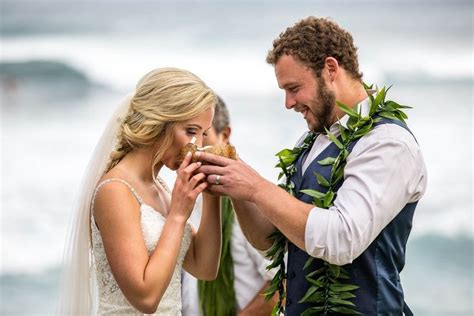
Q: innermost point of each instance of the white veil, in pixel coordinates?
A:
(78, 290)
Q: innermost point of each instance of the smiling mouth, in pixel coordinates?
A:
(304, 111)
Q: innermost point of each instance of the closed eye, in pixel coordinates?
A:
(191, 131)
(293, 89)
(194, 132)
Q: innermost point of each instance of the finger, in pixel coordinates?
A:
(209, 169)
(188, 171)
(186, 161)
(213, 159)
(217, 189)
(200, 188)
(212, 179)
(192, 167)
(197, 178)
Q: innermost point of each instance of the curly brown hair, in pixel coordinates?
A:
(312, 40)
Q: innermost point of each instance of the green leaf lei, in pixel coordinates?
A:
(326, 292)
(217, 297)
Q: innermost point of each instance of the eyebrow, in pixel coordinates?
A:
(198, 126)
(194, 125)
(289, 84)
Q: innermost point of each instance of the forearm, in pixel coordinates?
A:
(159, 269)
(241, 182)
(255, 226)
(285, 212)
(258, 306)
(207, 241)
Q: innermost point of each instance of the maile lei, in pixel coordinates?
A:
(217, 297)
(327, 293)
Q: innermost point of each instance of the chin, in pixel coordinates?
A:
(316, 128)
(313, 127)
(171, 165)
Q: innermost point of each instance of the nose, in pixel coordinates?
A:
(290, 101)
(199, 140)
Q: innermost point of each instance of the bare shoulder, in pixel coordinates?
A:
(115, 203)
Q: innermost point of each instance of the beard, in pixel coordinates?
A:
(323, 109)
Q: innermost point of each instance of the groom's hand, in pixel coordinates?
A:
(230, 177)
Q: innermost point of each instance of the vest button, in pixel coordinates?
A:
(292, 274)
(289, 301)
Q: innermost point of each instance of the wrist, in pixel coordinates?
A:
(261, 192)
(211, 197)
(178, 219)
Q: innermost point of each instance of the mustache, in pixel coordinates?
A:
(299, 107)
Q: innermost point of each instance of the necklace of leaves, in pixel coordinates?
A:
(326, 292)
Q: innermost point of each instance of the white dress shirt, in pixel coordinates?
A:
(384, 172)
(250, 273)
(250, 268)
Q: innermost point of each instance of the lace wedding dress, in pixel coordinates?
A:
(111, 299)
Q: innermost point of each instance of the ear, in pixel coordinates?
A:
(332, 67)
(226, 134)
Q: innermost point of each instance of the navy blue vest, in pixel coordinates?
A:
(376, 271)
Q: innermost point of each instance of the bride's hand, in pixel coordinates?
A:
(186, 188)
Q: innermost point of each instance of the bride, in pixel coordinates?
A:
(130, 235)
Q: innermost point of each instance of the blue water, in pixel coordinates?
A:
(64, 65)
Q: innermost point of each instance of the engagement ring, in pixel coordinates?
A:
(218, 179)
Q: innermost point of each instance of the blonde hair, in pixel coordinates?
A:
(163, 97)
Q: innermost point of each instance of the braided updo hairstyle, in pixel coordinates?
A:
(163, 97)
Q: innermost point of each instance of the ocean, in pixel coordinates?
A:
(65, 65)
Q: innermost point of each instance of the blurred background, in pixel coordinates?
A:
(65, 65)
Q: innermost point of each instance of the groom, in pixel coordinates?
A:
(367, 227)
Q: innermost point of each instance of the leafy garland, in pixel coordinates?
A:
(326, 293)
(276, 253)
(217, 297)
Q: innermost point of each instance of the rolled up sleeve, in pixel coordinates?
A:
(384, 172)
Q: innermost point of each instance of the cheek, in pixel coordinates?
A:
(181, 138)
(304, 98)
(170, 160)
(314, 103)
(175, 149)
